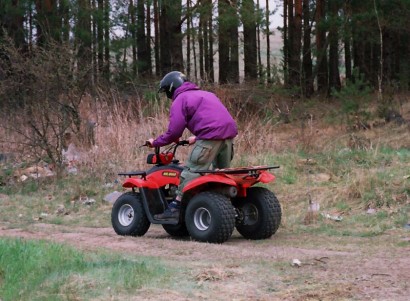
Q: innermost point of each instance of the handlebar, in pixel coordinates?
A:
(176, 143)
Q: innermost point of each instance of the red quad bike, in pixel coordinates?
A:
(212, 206)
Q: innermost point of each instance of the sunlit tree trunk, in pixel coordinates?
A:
(334, 75)
(107, 26)
(347, 39)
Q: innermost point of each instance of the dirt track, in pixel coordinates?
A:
(332, 268)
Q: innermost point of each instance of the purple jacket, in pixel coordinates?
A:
(201, 112)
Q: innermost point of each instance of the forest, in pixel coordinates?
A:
(53, 53)
(325, 42)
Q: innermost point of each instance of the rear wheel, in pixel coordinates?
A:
(259, 213)
(128, 216)
(210, 217)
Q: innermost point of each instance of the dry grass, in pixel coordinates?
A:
(320, 159)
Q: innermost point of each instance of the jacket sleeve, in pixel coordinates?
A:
(176, 126)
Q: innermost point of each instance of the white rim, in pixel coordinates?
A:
(126, 215)
(202, 219)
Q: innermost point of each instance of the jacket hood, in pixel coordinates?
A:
(187, 86)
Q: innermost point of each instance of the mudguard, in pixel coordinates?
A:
(154, 180)
(266, 177)
(207, 179)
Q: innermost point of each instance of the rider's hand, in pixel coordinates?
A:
(149, 142)
(192, 140)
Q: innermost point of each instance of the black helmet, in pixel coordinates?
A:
(171, 82)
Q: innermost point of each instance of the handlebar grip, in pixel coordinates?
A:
(183, 142)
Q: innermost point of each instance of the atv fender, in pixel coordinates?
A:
(154, 180)
(208, 179)
(266, 177)
(140, 183)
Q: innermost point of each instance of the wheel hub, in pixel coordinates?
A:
(249, 214)
(202, 219)
(126, 215)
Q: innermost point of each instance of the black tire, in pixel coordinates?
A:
(210, 217)
(128, 216)
(179, 230)
(259, 214)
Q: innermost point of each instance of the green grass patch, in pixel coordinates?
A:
(39, 270)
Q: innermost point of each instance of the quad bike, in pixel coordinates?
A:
(212, 205)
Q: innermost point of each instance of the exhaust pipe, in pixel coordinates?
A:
(229, 191)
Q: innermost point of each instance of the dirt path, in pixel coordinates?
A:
(332, 268)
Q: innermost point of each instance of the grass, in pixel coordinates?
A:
(319, 162)
(39, 270)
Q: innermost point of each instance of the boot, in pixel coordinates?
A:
(171, 212)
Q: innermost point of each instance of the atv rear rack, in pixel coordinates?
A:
(235, 170)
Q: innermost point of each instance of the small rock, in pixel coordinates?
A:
(336, 218)
(371, 211)
(112, 197)
(88, 201)
(60, 210)
(296, 263)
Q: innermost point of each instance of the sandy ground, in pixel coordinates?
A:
(332, 268)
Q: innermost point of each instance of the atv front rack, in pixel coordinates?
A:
(130, 174)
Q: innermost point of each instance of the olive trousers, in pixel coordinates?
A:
(218, 153)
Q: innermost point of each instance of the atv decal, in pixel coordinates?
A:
(169, 174)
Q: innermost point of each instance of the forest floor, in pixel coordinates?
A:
(330, 268)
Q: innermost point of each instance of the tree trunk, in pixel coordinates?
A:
(132, 28)
(223, 38)
(107, 39)
(188, 40)
(307, 53)
(143, 55)
(12, 19)
(148, 40)
(334, 76)
(211, 74)
(249, 38)
(171, 57)
(156, 39)
(285, 35)
(347, 40)
(290, 43)
(258, 40)
(84, 36)
(48, 23)
(268, 67)
(321, 60)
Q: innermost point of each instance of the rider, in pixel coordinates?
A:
(204, 115)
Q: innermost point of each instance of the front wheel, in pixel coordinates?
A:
(128, 216)
(210, 217)
(259, 213)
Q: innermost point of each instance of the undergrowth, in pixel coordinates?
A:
(347, 172)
